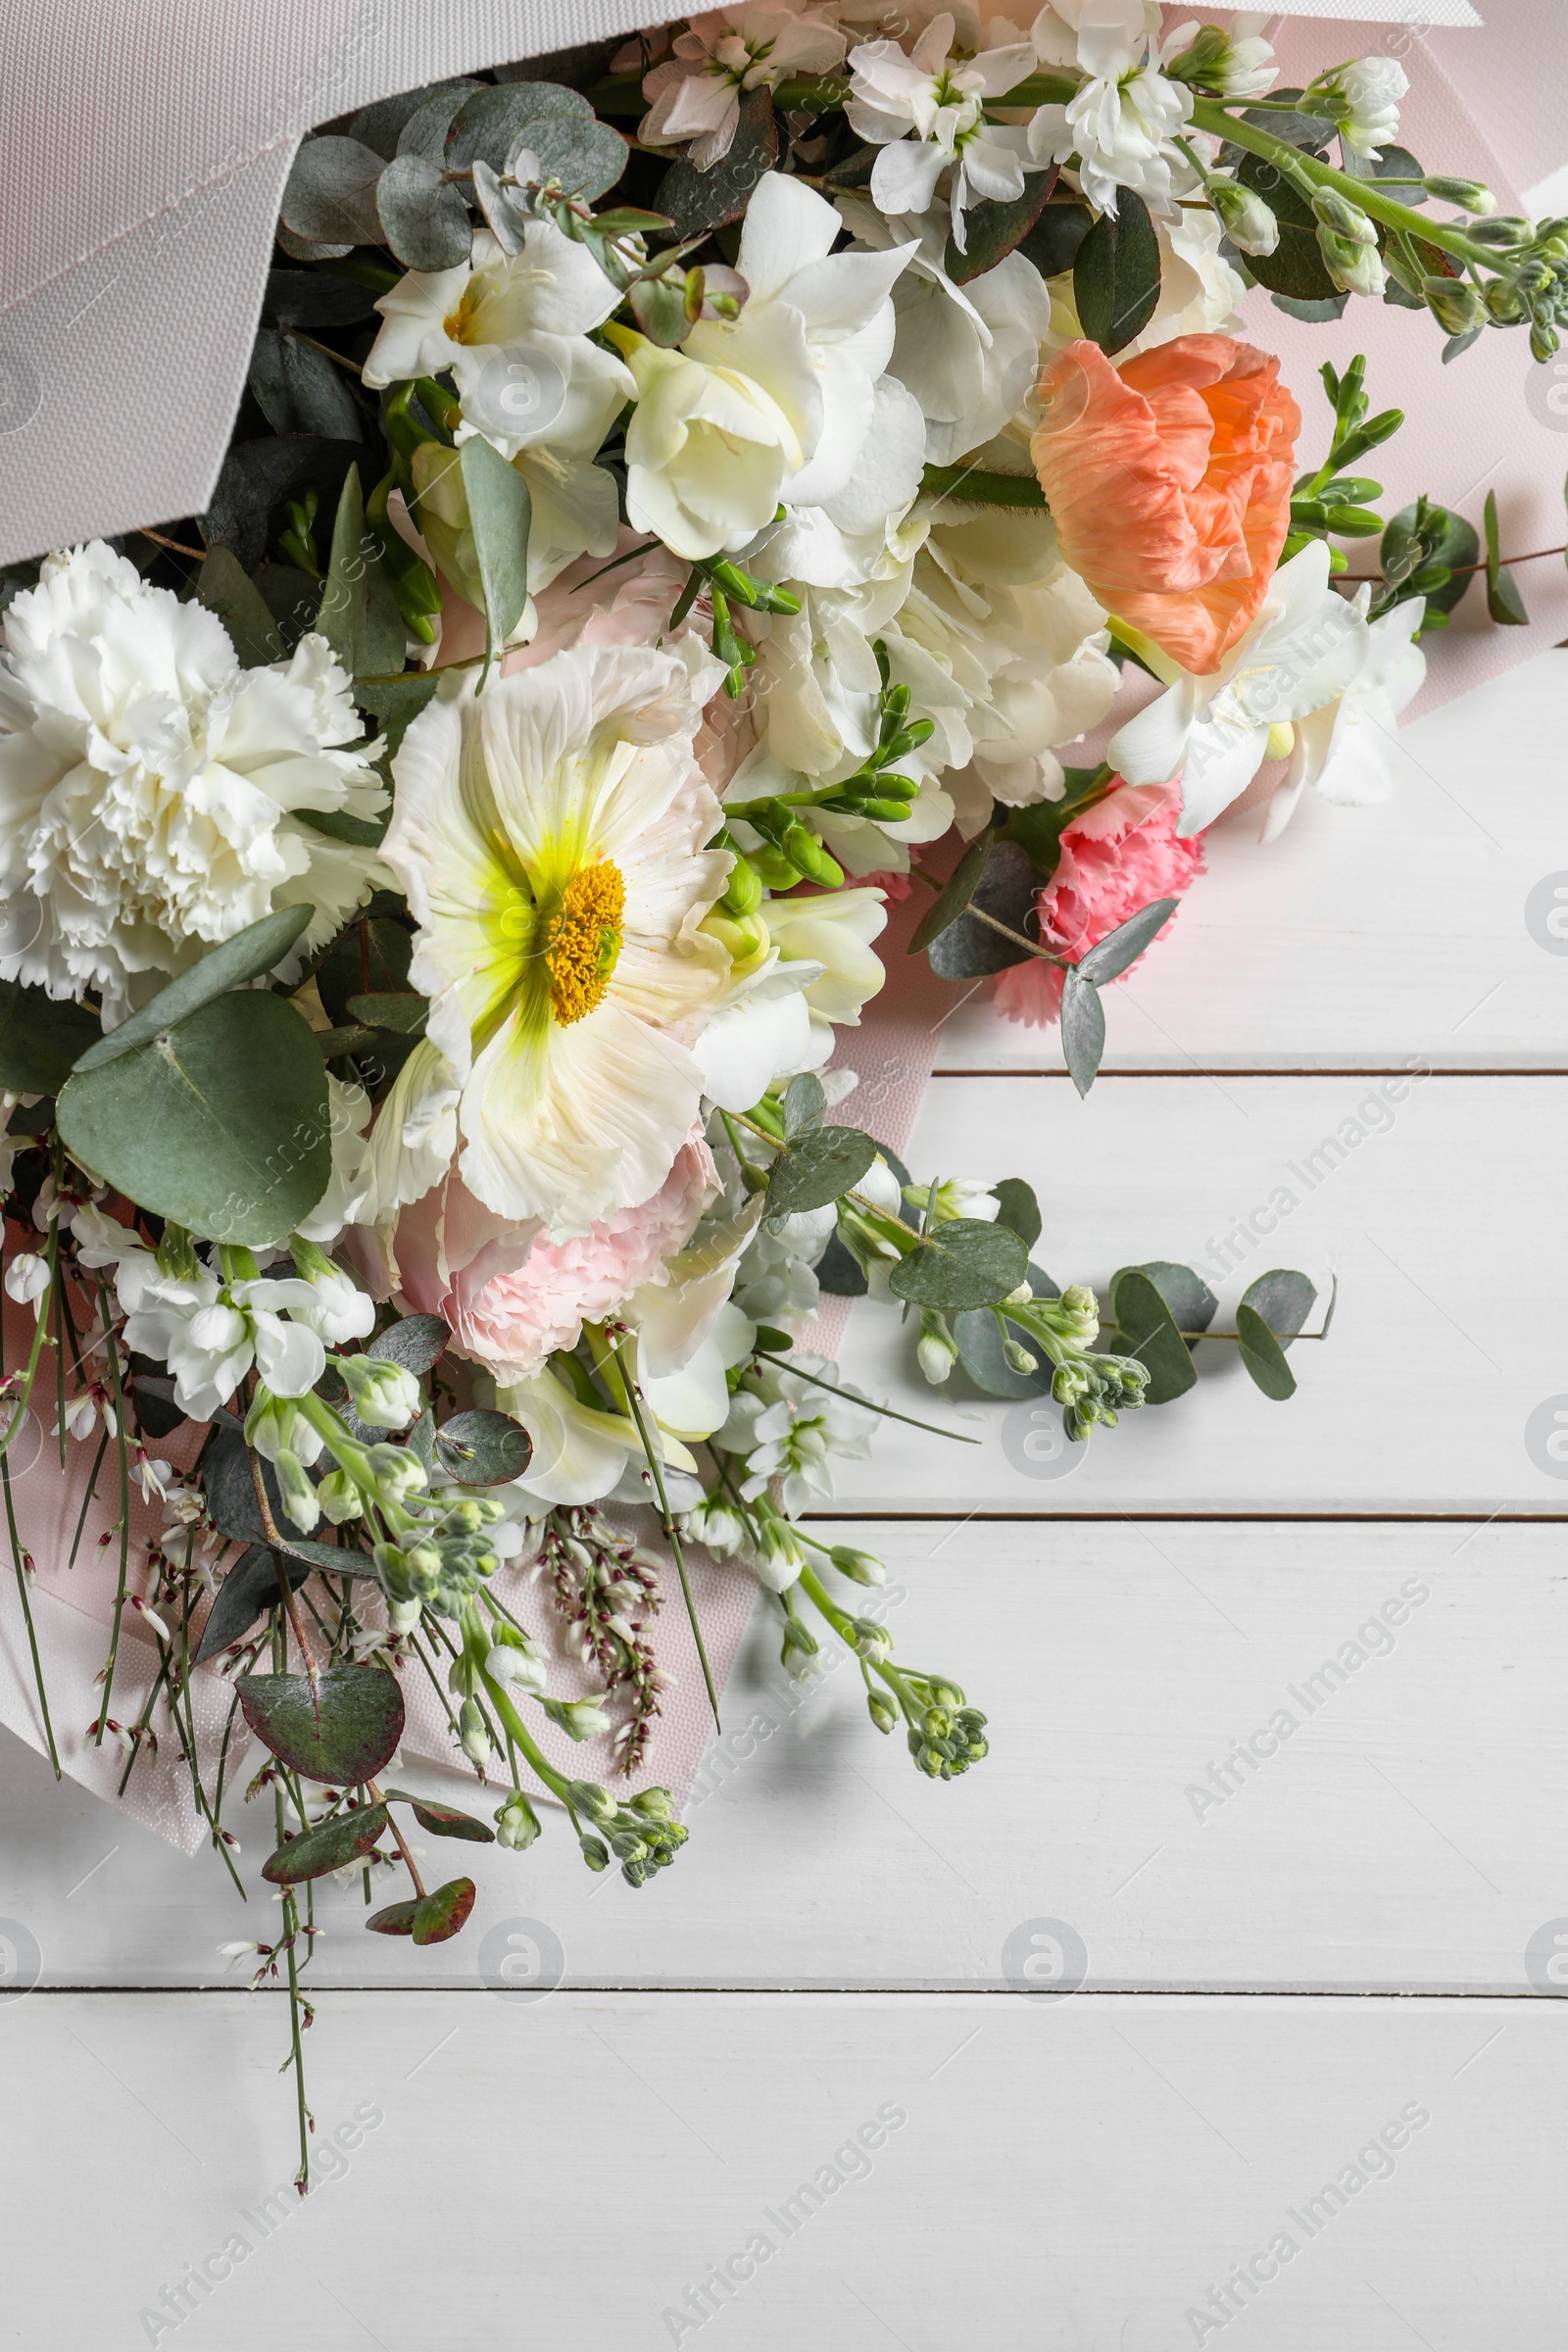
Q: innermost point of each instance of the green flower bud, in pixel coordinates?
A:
(858, 1566)
(868, 1640)
(655, 1804)
(517, 1825)
(1469, 194)
(1455, 306)
(397, 1471)
(472, 1733)
(592, 1798)
(384, 1394)
(596, 1854)
(1344, 219)
(339, 1497)
(296, 1489)
(884, 1714)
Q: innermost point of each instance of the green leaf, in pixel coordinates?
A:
(1296, 266)
(1316, 314)
(963, 1264)
(427, 127)
(331, 195)
(482, 1448)
(41, 1039)
(422, 213)
(1019, 1210)
(954, 896)
(995, 230)
(1188, 1298)
(1122, 946)
(817, 1169)
(1083, 1029)
(1395, 164)
(1426, 535)
(394, 1919)
(359, 615)
(698, 201)
(256, 950)
(1115, 278)
(1150, 1332)
(1053, 241)
(805, 1105)
(221, 1122)
(658, 305)
(233, 1510)
(299, 388)
(346, 1838)
(1007, 890)
(372, 958)
(500, 512)
(415, 1342)
(226, 589)
(380, 124)
(1263, 1357)
(396, 702)
(401, 1009)
(586, 156)
(1283, 1299)
(357, 1728)
(1504, 599)
(979, 487)
(443, 1821)
(838, 1272)
(315, 298)
(493, 120)
(251, 1586)
(444, 1913)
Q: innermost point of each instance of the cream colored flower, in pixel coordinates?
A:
(549, 834)
(152, 793)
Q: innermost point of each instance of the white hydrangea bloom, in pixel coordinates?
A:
(152, 793)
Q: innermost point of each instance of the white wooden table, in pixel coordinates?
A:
(1309, 2084)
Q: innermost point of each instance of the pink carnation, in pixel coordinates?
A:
(509, 1295)
(1116, 857)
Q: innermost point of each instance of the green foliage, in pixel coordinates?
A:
(1263, 1357)
(500, 512)
(815, 1167)
(423, 214)
(258, 949)
(482, 1448)
(994, 229)
(961, 1264)
(225, 589)
(41, 1039)
(415, 1342)
(1083, 1028)
(1018, 1209)
(954, 896)
(1295, 268)
(1116, 276)
(343, 1729)
(348, 1837)
(221, 1123)
(359, 615)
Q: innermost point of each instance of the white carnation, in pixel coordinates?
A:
(151, 789)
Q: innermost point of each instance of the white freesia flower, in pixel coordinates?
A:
(1302, 652)
(774, 405)
(834, 929)
(549, 835)
(1364, 99)
(335, 1308)
(579, 1452)
(791, 1429)
(152, 792)
(761, 1032)
(1124, 116)
(941, 99)
(516, 333)
(721, 55)
(1348, 748)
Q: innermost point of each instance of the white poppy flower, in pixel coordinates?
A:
(941, 99)
(1305, 646)
(721, 55)
(1347, 749)
(549, 834)
(152, 792)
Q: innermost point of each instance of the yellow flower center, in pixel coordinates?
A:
(458, 324)
(583, 940)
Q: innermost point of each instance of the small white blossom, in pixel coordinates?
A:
(1122, 120)
(1364, 99)
(27, 1280)
(940, 99)
(791, 1428)
(718, 56)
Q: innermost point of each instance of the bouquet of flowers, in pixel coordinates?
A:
(679, 485)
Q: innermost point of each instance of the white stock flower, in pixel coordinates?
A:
(941, 100)
(549, 835)
(1005, 648)
(776, 405)
(718, 56)
(209, 1333)
(1305, 646)
(1123, 118)
(1364, 99)
(1237, 63)
(337, 1309)
(791, 1429)
(1347, 749)
(151, 789)
(969, 353)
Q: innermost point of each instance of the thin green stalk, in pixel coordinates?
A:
(673, 1537)
(291, 1928)
(111, 1352)
(782, 1363)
